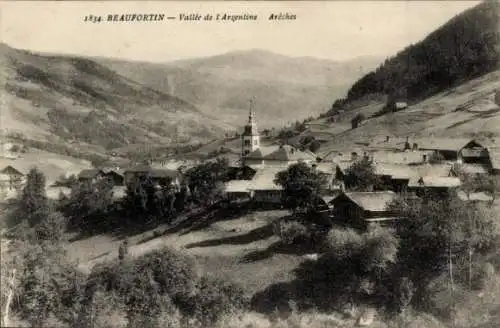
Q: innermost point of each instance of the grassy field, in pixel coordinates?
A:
(240, 249)
(467, 110)
(52, 165)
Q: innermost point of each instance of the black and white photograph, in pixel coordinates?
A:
(250, 164)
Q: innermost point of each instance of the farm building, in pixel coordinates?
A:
(159, 176)
(359, 209)
(455, 149)
(237, 189)
(434, 184)
(263, 188)
(12, 177)
(93, 175)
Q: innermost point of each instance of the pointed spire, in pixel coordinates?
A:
(251, 112)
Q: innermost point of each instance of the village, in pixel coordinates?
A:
(404, 164)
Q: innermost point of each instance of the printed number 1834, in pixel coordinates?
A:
(92, 19)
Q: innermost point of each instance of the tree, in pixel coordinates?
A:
(51, 228)
(475, 182)
(314, 146)
(302, 186)
(436, 158)
(88, 203)
(33, 205)
(49, 285)
(360, 176)
(204, 180)
(356, 120)
(64, 181)
(381, 248)
(440, 234)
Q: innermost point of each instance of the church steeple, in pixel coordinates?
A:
(250, 138)
(251, 115)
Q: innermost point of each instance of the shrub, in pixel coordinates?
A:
(51, 228)
(314, 146)
(482, 274)
(436, 158)
(343, 242)
(213, 299)
(291, 232)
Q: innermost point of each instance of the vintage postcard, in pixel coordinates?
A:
(256, 164)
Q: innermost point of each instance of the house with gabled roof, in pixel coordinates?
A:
(95, 174)
(359, 209)
(159, 176)
(287, 155)
(263, 188)
(257, 156)
(237, 189)
(12, 177)
(388, 143)
(455, 149)
(434, 184)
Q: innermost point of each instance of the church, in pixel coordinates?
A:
(255, 155)
(263, 163)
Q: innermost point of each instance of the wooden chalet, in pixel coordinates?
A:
(433, 184)
(12, 178)
(93, 175)
(455, 149)
(263, 188)
(359, 209)
(235, 190)
(159, 176)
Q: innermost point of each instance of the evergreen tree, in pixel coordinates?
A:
(33, 205)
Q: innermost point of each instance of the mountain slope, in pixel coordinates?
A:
(450, 79)
(283, 88)
(60, 98)
(468, 110)
(465, 47)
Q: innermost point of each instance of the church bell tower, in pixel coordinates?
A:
(250, 139)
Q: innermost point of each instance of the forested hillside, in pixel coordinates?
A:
(464, 48)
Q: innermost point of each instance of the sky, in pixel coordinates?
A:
(336, 30)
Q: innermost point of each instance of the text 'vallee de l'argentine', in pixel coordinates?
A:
(184, 17)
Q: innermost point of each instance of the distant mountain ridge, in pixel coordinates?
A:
(283, 88)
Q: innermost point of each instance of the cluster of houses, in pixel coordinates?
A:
(120, 178)
(13, 177)
(403, 165)
(410, 165)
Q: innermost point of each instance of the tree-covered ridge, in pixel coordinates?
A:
(464, 48)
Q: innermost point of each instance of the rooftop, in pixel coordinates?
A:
(454, 144)
(475, 196)
(434, 181)
(88, 173)
(264, 179)
(154, 172)
(375, 201)
(237, 186)
(288, 153)
(261, 152)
